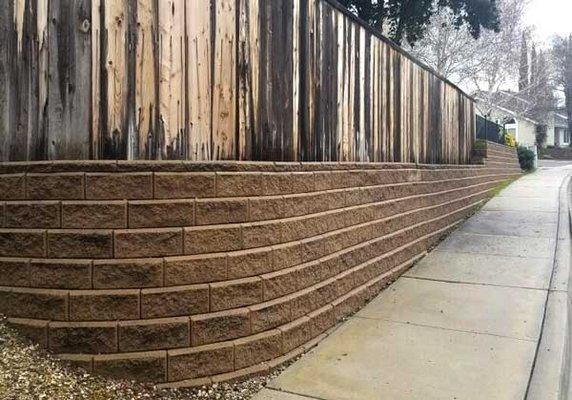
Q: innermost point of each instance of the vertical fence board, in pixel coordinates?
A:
(249, 66)
(146, 80)
(172, 114)
(21, 90)
(39, 152)
(296, 74)
(307, 79)
(353, 128)
(327, 93)
(96, 83)
(224, 89)
(276, 82)
(69, 70)
(8, 33)
(340, 88)
(199, 72)
(113, 135)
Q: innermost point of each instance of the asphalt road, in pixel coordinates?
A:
(553, 163)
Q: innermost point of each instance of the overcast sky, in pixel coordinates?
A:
(550, 17)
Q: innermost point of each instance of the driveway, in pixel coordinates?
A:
(553, 163)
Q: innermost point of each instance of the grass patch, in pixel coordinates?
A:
(480, 144)
(500, 187)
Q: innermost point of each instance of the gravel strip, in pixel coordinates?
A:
(29, 373)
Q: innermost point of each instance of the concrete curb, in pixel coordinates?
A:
(566, 392)
(550, 375)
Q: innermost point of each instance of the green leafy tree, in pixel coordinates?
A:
(408, 19)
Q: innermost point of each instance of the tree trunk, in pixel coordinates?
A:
(568, 84)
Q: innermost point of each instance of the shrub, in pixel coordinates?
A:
(510, 140)
(526, 158)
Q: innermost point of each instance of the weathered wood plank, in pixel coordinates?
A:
(224, 63)
(69, 70)
(362, 94)
(307, 78)
(38, 152)
(146, 130)
(113, 134)
(275, 68)
(296, 73)
(248, 60)
(199, 72)
(97, 35)
(8, 81)
(172, 90)
(353, 93)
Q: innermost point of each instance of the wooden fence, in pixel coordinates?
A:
(217, 79)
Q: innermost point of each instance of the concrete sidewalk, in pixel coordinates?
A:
(481, 317)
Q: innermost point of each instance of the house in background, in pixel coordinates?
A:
(521, 117)
(561, 131)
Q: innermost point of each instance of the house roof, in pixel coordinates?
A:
(560, 120)
(520, 105)
(510, 112)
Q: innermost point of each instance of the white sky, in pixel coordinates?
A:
(550, 17)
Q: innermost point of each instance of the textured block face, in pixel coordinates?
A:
(34, 304)
(94, 215)
(14, 272)
(95, 338)
(43, 214)
(234, 294)
(184, 185)
(145, 367)
(296, 333)
(188, 270)
(201, 361)
(12, 187)
(161, 213)
(270, 315)
(169, 333)
(123, 274)
(176, 301)
(60, 274)
(249, 263)
(240, 184)
(104, 305)
(148, 242)
(80, 244)
(257, 349)
(226, 211)
(119, 186)
(141, 270)
(213, 239)
(22, 243)
(69, 186)
(219, 327)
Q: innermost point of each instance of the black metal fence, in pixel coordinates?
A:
(489, 130)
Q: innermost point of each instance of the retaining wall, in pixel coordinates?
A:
(190, 273)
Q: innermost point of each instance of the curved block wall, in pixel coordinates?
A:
(188, 273)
